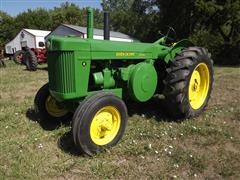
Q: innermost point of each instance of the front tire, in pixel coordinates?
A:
(47, 108)
(188, 83)
(99, 122)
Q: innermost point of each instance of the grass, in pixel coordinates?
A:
(153, 147)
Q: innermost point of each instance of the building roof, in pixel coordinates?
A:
(99, 32)
(37, 32)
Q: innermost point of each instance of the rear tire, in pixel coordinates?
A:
(30, 60)
(18, 57)
(46, 106)
(99, 122)
(188, 83)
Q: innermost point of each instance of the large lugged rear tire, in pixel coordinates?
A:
(99, 122)
(188, 83)
(47, 108)
(30, 60)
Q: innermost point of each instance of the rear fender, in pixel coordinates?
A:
(176, 49)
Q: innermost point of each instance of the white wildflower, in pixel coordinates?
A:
(134, 142)
(191, 155)
(176, 165)
(156, 152)
(149, 146)
(40, 146)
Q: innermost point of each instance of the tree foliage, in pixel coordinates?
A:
(40, 18)
(214, 24)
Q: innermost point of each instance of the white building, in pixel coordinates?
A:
(65, 29)
(26, 37)
(32, 37)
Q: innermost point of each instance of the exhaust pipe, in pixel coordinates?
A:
(106, 26)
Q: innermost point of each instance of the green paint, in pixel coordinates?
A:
(79, 67)
(90, 23)
(142, 82)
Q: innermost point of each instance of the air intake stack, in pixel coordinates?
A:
(90, 23)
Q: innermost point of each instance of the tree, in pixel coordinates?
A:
(6, 28)
(33, 19)
(220, 20)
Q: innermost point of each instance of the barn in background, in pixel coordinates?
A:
(65, 29)
(26, 37)
(32, 37)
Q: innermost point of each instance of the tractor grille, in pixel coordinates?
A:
(61, 71)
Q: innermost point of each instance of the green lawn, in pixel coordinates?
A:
(153, 147)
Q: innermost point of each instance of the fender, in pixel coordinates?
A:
(176, 49)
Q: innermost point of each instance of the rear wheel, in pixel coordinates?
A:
(99, 122)
(18, 57)
(47, 107)
(30, 60)
(188, 83)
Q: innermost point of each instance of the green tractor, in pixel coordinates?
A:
(89, 79)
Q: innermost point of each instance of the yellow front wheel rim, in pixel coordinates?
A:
(199, 86)
(53, 109)
(105, 125)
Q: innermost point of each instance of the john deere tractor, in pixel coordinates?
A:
(90, 79)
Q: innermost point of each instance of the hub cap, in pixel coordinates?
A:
(53, 109)
(199, 86)
(105, 125)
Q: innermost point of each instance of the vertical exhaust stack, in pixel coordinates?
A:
(90, 23)
(106, 26)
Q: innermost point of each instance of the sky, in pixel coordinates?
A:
(14, 7)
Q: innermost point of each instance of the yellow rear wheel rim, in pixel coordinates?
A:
(105, 125)
(199, 86)
(53, 109)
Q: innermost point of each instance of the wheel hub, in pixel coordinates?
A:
(199, 86)
(53, 109)
(105, 125)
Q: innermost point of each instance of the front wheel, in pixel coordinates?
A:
(189, 82)
(99, 122)
(47, 107)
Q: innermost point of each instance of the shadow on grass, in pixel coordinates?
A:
(66, 144)
(45, 124)
(151, 109)
(42, 68)
(154, 108)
